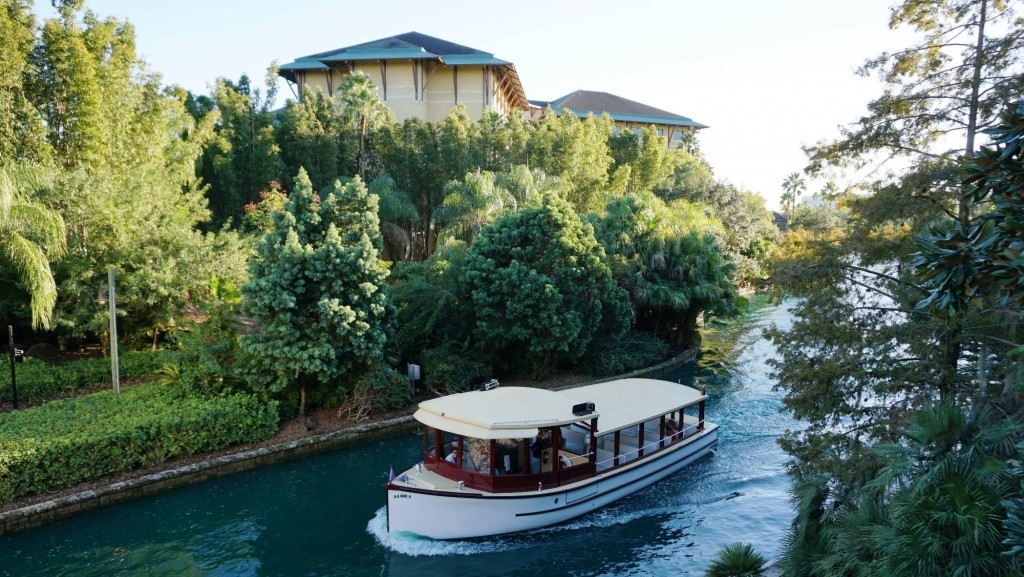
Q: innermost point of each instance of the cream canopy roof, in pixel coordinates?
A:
(518, 412)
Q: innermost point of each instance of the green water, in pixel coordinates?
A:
(324, 515)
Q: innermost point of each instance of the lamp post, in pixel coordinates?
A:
(107, 296)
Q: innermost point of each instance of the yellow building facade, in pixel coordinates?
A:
(416, 76)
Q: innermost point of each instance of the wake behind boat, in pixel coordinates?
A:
(510, 459)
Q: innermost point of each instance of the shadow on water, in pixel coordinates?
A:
(324, 516)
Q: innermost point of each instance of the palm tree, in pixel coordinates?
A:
(361, 109)
(397, 212)
(737, 560)
(472, 204)
(31, 235)
(948, 491)
(794, 186)
(830, 192)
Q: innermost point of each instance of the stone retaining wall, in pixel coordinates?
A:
(62, 507)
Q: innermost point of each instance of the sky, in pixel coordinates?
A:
(767, 77)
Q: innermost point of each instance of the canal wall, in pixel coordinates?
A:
(38, 514)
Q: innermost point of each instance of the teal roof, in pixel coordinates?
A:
(584, 102)
(304, 64)
(468, 59)
(408, 46)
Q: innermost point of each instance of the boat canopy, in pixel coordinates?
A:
(501, 413)
(627, 402)
(519, 412)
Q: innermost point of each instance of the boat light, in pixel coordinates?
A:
(583, 409)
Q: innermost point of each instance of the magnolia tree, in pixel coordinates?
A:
(317, 292)
(538, 282)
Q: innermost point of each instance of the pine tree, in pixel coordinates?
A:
(317, 292)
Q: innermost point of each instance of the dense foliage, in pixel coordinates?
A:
(65, 442)
(540, 287)
(317, 292)
(39, 380)
(905, 356)
(487, 226)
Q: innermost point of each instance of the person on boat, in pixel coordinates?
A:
(540, 442)
(671, 428)
(453, 457)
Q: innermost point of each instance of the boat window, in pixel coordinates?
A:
(509, 456)
(688, 422)
(429, 441)
(477, 455)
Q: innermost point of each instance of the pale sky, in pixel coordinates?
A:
(766, 77)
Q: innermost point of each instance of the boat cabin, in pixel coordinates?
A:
(511, 439)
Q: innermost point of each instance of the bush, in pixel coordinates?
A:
(67, 442)
(380, 389)
(634, 350)
(41, 380)
(448, 370)
(208, 348)
(737, 560)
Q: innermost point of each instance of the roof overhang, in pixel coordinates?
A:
(502, 413)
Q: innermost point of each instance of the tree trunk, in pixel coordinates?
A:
(302, 399)
(947, 383)
(972, 114)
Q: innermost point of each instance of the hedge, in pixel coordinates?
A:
(65, 442)
(38, 379)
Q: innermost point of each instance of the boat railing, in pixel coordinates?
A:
(648, 448)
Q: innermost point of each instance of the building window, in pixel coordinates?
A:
(616, 130)
(661, 132)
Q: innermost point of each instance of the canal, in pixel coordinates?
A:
(324, 515)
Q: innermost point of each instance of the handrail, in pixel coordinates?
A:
(694, 429)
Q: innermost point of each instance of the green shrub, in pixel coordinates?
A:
(41, 380)
(448, 370)
(737, 560)
(65, 442)
(380, 389)
(634, 350)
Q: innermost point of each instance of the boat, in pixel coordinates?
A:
(508, 459)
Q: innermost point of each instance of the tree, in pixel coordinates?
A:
(31, 236)
(317, 292)
(243, 157)
(312, 134)
(576, 151)
(123, 178)
(829, 192)
(666, 258)
(537, 280)
(362, 110)
(22, 134)
(471, 204)
(737, 560)
(793, 186)
(874, 344)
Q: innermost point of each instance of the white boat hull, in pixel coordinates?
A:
(464, 514)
